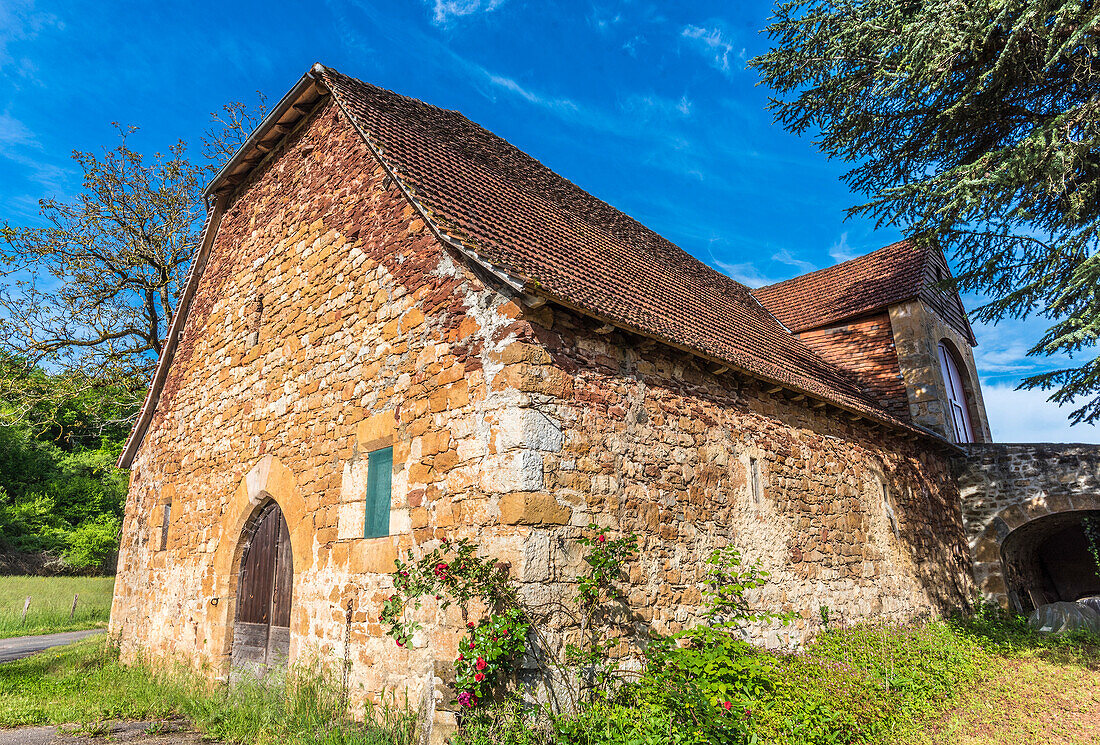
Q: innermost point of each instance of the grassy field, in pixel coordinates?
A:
(51, 602)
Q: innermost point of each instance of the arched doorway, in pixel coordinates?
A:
(1050, 559)
(261, 630)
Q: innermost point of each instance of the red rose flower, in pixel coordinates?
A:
(481, 664)
(504, 633)
(460, 657)
(471, 645)
(470, 625)
(727, 705)
(479, 677)
(601, 538)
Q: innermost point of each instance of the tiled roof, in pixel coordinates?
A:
(531, 223)
(848, 290)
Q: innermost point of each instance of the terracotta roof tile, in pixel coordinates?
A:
(854, 288)
(532, 223)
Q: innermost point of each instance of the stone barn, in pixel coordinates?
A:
(398, 328)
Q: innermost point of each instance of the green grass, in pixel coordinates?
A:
(987, 679)
(51, 602)
(85, 684)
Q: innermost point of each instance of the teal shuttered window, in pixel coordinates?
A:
(379, 476)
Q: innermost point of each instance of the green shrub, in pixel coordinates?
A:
(93, 544)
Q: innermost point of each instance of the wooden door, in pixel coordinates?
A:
(261, 632)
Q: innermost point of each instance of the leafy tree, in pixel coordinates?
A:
(91, 294)
(973, 124)
(60, 493)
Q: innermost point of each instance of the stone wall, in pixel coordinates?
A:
(330, 321)
(918, 331)
(1006, 487)
(864, 348)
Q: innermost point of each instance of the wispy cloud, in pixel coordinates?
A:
(549, 102)
(747, 274)
(17, 143)
(445, 11)
(841, 251)
(649, 106)
(21, 21)
(712, 42)
(784, 256)
(1027, 416)
(13, 133)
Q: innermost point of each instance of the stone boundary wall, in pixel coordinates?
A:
(1004, 486)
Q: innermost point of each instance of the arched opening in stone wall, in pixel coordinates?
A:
(261, 625)
(1049, 559)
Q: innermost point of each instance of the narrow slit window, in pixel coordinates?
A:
(755, 482)
(888, 507)
(379, 478)
(165, 521)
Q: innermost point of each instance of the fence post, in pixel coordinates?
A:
(72, 611)
(26, 605)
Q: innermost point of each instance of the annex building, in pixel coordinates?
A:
(399, 328)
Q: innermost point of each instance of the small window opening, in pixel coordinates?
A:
(254, 337)
(755, 481)
(165, 521)
(888, 507)
(379, 482)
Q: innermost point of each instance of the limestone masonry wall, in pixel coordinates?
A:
(1004, 487)
(330, 322)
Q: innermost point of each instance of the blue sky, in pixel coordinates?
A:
(646, 105)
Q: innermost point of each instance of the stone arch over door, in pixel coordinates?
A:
(1018, 530)
(268, 481)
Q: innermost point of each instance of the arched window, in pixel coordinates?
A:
(959, 412)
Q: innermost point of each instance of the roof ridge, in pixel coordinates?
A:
(838, 265)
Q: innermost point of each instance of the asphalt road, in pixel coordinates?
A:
(25, 646)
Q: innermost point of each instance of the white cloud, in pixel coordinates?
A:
(783, 256)
(712, 42)
(841, 251)
(20, 21)
(746, 273)
(1027, 416)
(445, 11)
(17, 142)
(14, 133)
(653, 106)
